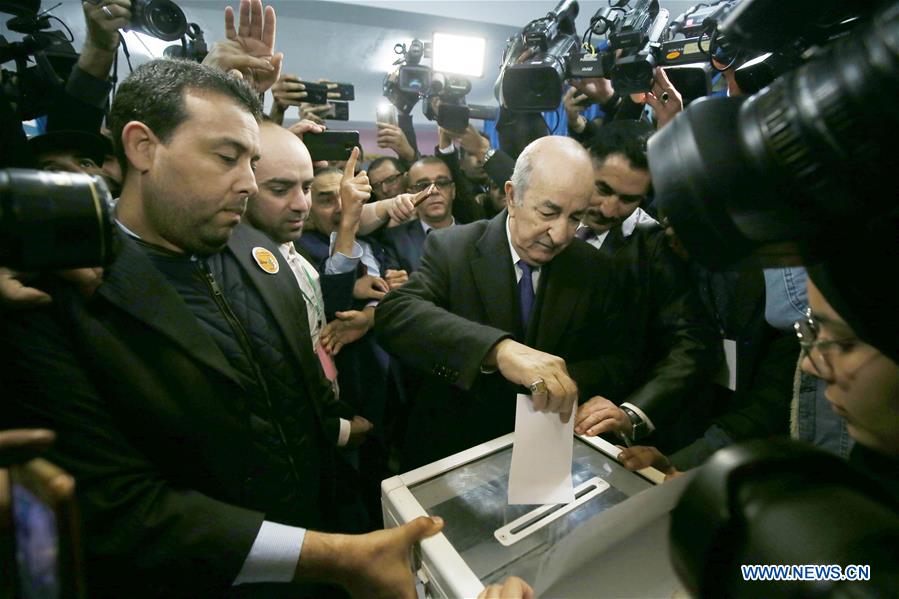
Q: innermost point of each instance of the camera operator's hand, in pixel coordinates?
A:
(391, 136)
(641, 456)
(573, 110)
(104, 19)
(664, 98)
(249, 50)
(18, 446)
(15, 294)
(474, 143)
(598, 89)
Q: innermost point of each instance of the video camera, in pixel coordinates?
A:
(798, 160)
(535, 62)
(444, 94)
(54, 220)
(638, 38)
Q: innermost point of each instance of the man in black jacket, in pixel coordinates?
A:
(187, 399)
(678, 346)
(508, 303)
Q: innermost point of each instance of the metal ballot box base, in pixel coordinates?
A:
(484, 539)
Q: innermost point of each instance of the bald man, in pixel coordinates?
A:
(507, 305)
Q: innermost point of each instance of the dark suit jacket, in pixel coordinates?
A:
(463, 300)
(404, 245)
(153, 422)
(679, 346)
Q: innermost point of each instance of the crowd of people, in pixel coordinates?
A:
(277, 334)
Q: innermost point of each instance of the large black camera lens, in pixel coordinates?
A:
(161, 19)
(809, 158)
(54, 220)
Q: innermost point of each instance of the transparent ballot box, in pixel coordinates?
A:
(484, 539)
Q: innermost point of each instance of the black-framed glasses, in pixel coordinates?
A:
(442, 184)
(807, 330)
(388, 180)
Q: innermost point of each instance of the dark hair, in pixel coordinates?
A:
(383, 159)
(624, 137)
(154, 95)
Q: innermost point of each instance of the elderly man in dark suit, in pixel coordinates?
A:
(508, 304)
(186, 396)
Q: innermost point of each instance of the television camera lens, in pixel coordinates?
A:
(162, 19)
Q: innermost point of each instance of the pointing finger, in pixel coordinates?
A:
(349, 170)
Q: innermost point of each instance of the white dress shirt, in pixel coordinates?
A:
(628, 225)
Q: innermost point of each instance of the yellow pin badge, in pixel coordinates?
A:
(266, 260)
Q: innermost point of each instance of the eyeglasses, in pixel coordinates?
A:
(388, 180)
(807, 330)
(442, 184)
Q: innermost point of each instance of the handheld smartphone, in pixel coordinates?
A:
(386, 113)
(316, 93)
(346, 90)
(337, 111)
(46, 531)
(331, 145)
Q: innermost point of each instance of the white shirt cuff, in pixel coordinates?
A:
(343, 435)
(649, 425)
(340, 263)
(274, 554)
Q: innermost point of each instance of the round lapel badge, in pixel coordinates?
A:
(266, 260)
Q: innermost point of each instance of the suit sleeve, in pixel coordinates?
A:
(413, 322)
(337, 292)
(132, 514)
(683, 341)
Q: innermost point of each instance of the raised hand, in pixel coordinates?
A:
(104, 19)
(391, 136)
(249, 50)
(354, 192)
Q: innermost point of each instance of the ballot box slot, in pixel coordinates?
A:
(536, 519)
(553, 510)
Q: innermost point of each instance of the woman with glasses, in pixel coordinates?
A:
(862, 382)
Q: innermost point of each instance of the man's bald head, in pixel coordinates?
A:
(555, 156)
(284, 178)
(547, 196)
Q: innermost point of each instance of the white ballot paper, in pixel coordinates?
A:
(541, 457)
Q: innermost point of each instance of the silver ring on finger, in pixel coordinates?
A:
(664, 97)
(107, 12)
